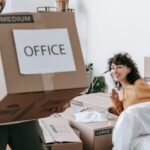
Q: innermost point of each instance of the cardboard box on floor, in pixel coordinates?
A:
(97, 100)
(94, 135)
(58, 135)
(41, 64)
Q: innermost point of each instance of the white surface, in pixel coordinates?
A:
(141, 143)
(117, 26)
(91, 116)
(57, 130)
(132, 123)
(30, 5)
(55, 56)
(106, 27)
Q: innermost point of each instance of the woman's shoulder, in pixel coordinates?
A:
(140, 82)
(142, 89)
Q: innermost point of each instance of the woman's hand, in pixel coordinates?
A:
(60, 109)
(117, 104)
(114, 96)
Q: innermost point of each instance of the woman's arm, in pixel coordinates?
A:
(117, 104)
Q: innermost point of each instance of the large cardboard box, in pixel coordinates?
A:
(41, 64)
(65, 146)
(94, 135)
(146, 68)
(58, 135)
(96, 100)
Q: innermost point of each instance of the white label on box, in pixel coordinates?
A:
(44, 51)
(103, 131)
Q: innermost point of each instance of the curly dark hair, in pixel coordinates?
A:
(125, 59)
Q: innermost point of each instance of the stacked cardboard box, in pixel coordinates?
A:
(41, 64)
(97, 100)
(58, 135)
(94, 135)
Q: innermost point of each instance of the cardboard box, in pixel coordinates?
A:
(65, 146)
(27, 92)
(96, 100)
(58, 135)
(94, 135)
(146, 69)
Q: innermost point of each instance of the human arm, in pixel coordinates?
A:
(60, 109)
(142, 89)
(117, 104)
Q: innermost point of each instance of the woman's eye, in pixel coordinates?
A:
(119, 67)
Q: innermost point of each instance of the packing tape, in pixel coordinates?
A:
(48, 82)
(37, 17)
(46, 78)
(38, 21)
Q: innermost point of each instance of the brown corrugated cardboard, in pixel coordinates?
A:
(33, 96)
(58, 135)
(94, 135)
(65, 146)
(99, 100)
(146, 68)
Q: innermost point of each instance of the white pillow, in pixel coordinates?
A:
(141, 143)
(131, 124)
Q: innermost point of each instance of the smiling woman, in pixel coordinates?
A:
(130, 88)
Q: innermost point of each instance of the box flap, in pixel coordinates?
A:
(100, 100)
(56, 130)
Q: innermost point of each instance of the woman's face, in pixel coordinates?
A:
(119, 72)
